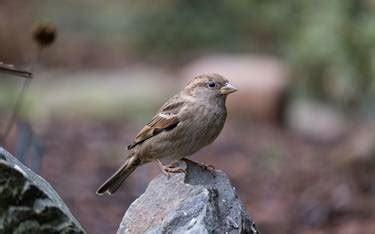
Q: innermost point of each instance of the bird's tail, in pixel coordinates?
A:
(115, 181)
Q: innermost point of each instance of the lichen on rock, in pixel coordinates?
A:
(28, 204)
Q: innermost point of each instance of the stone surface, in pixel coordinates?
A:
(28, 204)
(200, 201)
(316, 121)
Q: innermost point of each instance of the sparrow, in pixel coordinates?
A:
(187, 122)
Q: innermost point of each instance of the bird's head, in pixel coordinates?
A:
(209, 86)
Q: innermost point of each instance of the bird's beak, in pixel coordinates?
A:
(227, 89)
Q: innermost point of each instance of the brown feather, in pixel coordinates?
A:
(115, 181)
(157, 125)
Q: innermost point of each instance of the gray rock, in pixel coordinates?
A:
(316, 121)
(200, 201)
(28, 204)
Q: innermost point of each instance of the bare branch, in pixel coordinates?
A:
(12, 70)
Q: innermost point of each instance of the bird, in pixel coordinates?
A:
(187, 122)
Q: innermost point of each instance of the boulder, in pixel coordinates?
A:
(28, 204)
(199, 201)
(316, 121)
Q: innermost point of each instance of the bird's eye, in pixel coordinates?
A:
(211, 84)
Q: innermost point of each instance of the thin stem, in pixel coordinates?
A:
(20, 98)
(12, 70)
(16, 109)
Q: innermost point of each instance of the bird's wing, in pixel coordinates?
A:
(165, 120)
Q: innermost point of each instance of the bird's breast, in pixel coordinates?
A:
(203, 126)
(199, 125)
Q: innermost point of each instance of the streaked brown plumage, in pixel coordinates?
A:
(188, 121)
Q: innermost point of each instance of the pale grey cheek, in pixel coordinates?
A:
(204, 92)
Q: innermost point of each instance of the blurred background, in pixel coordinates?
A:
(299, 142)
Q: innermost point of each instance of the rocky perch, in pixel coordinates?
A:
(200, 201)
(28, 204)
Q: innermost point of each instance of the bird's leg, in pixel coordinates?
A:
(171, 168)
(203, 165)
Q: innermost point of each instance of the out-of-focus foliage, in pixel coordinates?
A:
(330, 44)
(180, 27)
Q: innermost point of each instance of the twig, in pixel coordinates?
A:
(43, 35)
(12, 70)
(19, 99)
(17, 107)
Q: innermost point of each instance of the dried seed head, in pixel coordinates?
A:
(44, 34)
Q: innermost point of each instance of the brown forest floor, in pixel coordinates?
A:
(289, 185)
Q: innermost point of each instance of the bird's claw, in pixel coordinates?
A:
(202, 165)
(170, 169)
(206, 166)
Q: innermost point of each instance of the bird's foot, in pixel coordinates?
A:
(171, 168)
(202, 165)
